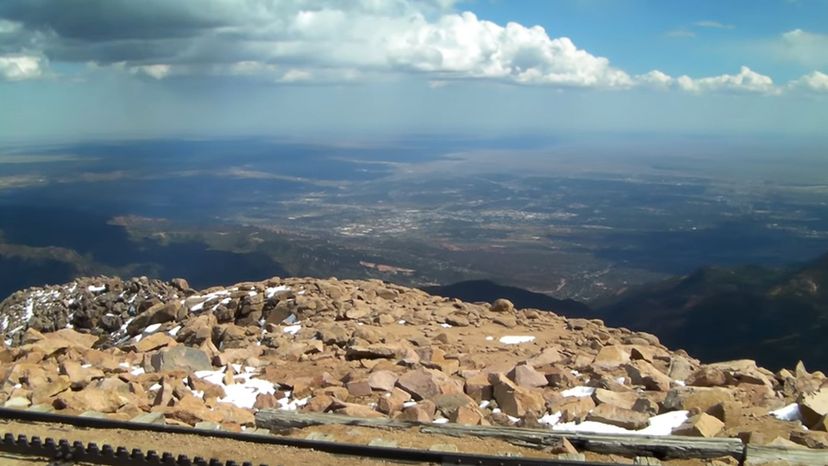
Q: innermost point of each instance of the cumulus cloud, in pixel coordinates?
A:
(656, 78)
(746, 80)
(807, 48)
(814, 82)
(305, 39)
(21, 67)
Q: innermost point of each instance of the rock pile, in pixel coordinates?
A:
(161, 352)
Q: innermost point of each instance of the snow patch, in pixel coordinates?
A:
(272, 291)
(243, 393)
(516, 340)
(787, 413)
(174, 331)
(550, 418)
(96, 288)
(292, 329)
(152, 328)
(578, 392)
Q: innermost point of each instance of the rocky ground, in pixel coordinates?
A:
(161, 352)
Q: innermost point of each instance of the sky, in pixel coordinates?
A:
(77, 69)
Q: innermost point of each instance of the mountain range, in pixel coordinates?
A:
(776, 316)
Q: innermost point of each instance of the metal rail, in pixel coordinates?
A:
(108, 455)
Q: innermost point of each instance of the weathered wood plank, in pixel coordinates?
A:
(758, 455)
(633, 445)
(278, 419)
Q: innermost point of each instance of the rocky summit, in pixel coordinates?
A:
(161, 352)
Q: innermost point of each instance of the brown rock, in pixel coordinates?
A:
(645, 374)
(319, 403)
(729, 412)
(359, 388)
(810, 439)
(611, 356)
(700, 425)
(707, 376)
(422, 384)
(382, 380)
(153, 342)
(614, 415)
(357, 410)
(478, 387)
(624, 400)
(813, 406)
(90, 399)
(457, 320)
(392, 403)
(546, 357)
(373, 351)
(514, 400)
(680, 368)
(503, 305)
(79, 376)
(695, 398)
(526, 376)
(466, 415)
(265, 401)
(448, 404)
(421, 412)
(506, 320)
(559, 377)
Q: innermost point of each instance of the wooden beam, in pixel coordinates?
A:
(758, 455)
(631, 445)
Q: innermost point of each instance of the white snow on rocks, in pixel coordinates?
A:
(663, 424)
(578, 392)
(152, 328)
(96, 288)
(242, 393)
(292, 329)
(787, 413)
(516, 339)
(272, 291)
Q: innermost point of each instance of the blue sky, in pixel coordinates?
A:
(118, 68)
(677, 37)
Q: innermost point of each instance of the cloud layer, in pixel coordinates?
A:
(315, 40)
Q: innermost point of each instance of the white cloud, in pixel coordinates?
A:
(156, 71)
(814, 82)
(807, 48)
(656, 78)
(746, 80)
(317, 36)
(21, 67)
(710, 24)
(9, 27)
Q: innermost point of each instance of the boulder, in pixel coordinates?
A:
(424, 383)
(382, 380)
(514, 400)
(624, 400)
(700, 425)
(153, 342)
(611, 356)
(526, 376)
(617, 416)
(813, 406)
(180, 358)
(503, 305)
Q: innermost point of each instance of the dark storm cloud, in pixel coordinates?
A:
(101, 20)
